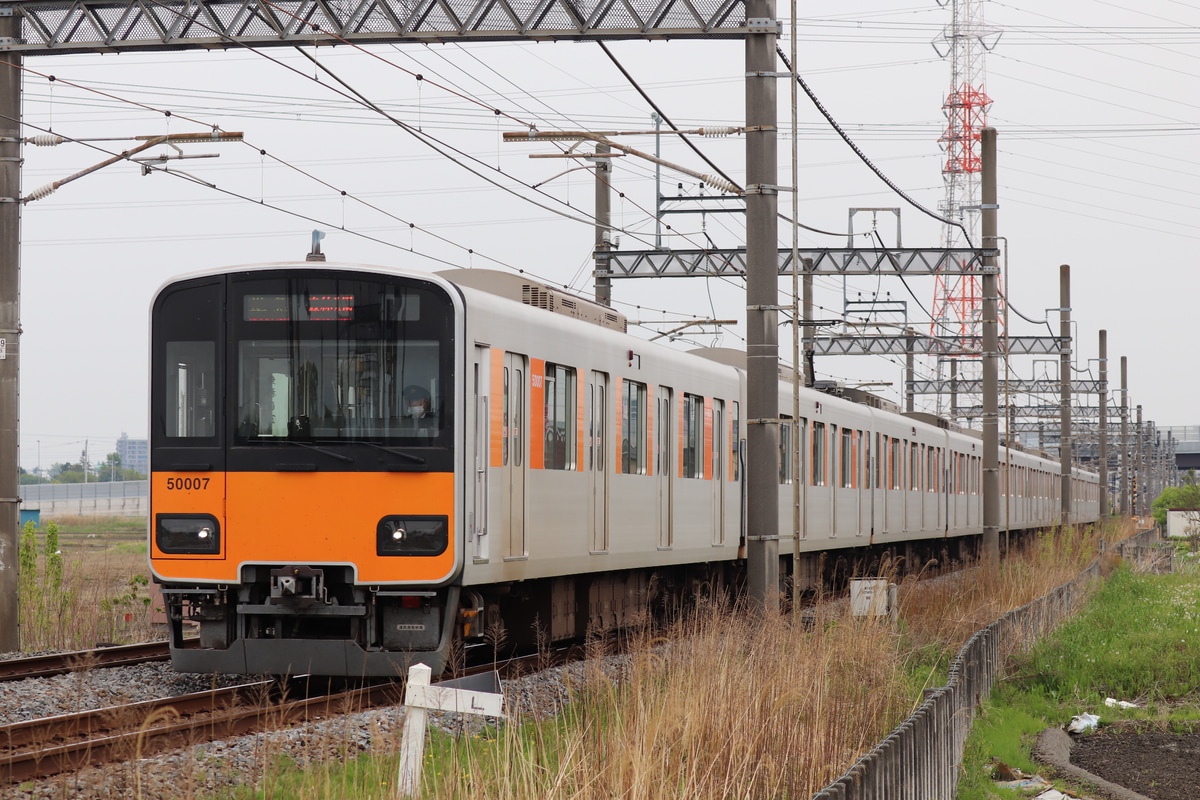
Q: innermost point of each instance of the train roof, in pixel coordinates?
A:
(523, 289)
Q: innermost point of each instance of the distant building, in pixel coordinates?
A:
(1187, 445)
(135, 453)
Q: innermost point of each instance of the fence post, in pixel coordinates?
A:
(412, 746)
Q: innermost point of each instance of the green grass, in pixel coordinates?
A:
(1138, 639)
(97, 524)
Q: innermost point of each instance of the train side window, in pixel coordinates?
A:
(505, 419)
(664, 432)
(818, 454)
(914, 466)
(785, 448)
(187, 396)
(897, 464)
(190, 371)
(832, 472)
(860, 447)
(733, 444)
(693, 436)
(868, 446)
(518, 415)
(634, 458)
(881, 461)
(560, 410)
(846, 459)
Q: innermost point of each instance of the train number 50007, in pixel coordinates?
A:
(187, 483)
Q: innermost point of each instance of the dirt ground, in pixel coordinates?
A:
(1159, 765)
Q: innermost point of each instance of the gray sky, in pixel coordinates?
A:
(1094, 105)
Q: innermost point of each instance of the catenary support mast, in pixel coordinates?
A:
(10, 331)
(762, 304)
(1102, 455)
(1064, 368)
(991, 358)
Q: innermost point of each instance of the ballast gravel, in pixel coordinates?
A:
(216, 767)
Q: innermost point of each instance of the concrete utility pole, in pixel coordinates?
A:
(1064, 370)
(1124, 437)
(1139, 468)
(762, 304)
(991, 357)
(10, 332)
(810, 379)
(909, 373)
(603, 223)
(1103, 454)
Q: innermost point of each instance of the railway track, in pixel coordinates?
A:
(62, 663)
(40, 748)
(51, 745)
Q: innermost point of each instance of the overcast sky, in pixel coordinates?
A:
(1094, 104)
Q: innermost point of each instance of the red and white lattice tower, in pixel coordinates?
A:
(958, 299)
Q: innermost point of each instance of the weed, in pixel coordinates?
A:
(44, 600)
(76, 599)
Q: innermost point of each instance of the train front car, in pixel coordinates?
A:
(303, 494)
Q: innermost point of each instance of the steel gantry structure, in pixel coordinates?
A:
(47, 27)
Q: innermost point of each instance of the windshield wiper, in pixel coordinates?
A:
(330, 453)
(402, 454)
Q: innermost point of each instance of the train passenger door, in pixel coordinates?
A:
(884, 454)
(665, 468)
(479, 521)
(800, 439)
(514, 450)
(718, 471)
(596, 461)
(862, 474)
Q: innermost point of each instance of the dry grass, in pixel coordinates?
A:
(721, 705)
(103, 599)
(945, 612)
(754, 707)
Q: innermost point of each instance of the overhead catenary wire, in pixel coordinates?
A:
(863, 156)
(315, 220)
(429, 141)
(686, 140)
(359, 234)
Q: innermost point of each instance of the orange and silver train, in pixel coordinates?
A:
(356, 468)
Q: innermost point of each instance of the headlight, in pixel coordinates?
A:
(194, 534)
(412, 536)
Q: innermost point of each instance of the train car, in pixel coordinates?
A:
(355, 468)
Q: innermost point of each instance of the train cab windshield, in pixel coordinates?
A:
(322, 358)
(337, 360)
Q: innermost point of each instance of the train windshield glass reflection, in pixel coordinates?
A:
(320, 358)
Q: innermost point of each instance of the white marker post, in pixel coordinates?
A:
(419, 698)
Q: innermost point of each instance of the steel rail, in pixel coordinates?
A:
(36, 748)
(62, 663)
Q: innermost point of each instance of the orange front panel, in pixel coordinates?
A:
(188, 493)
(496, 411)
(537, 413)
(313, 518)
